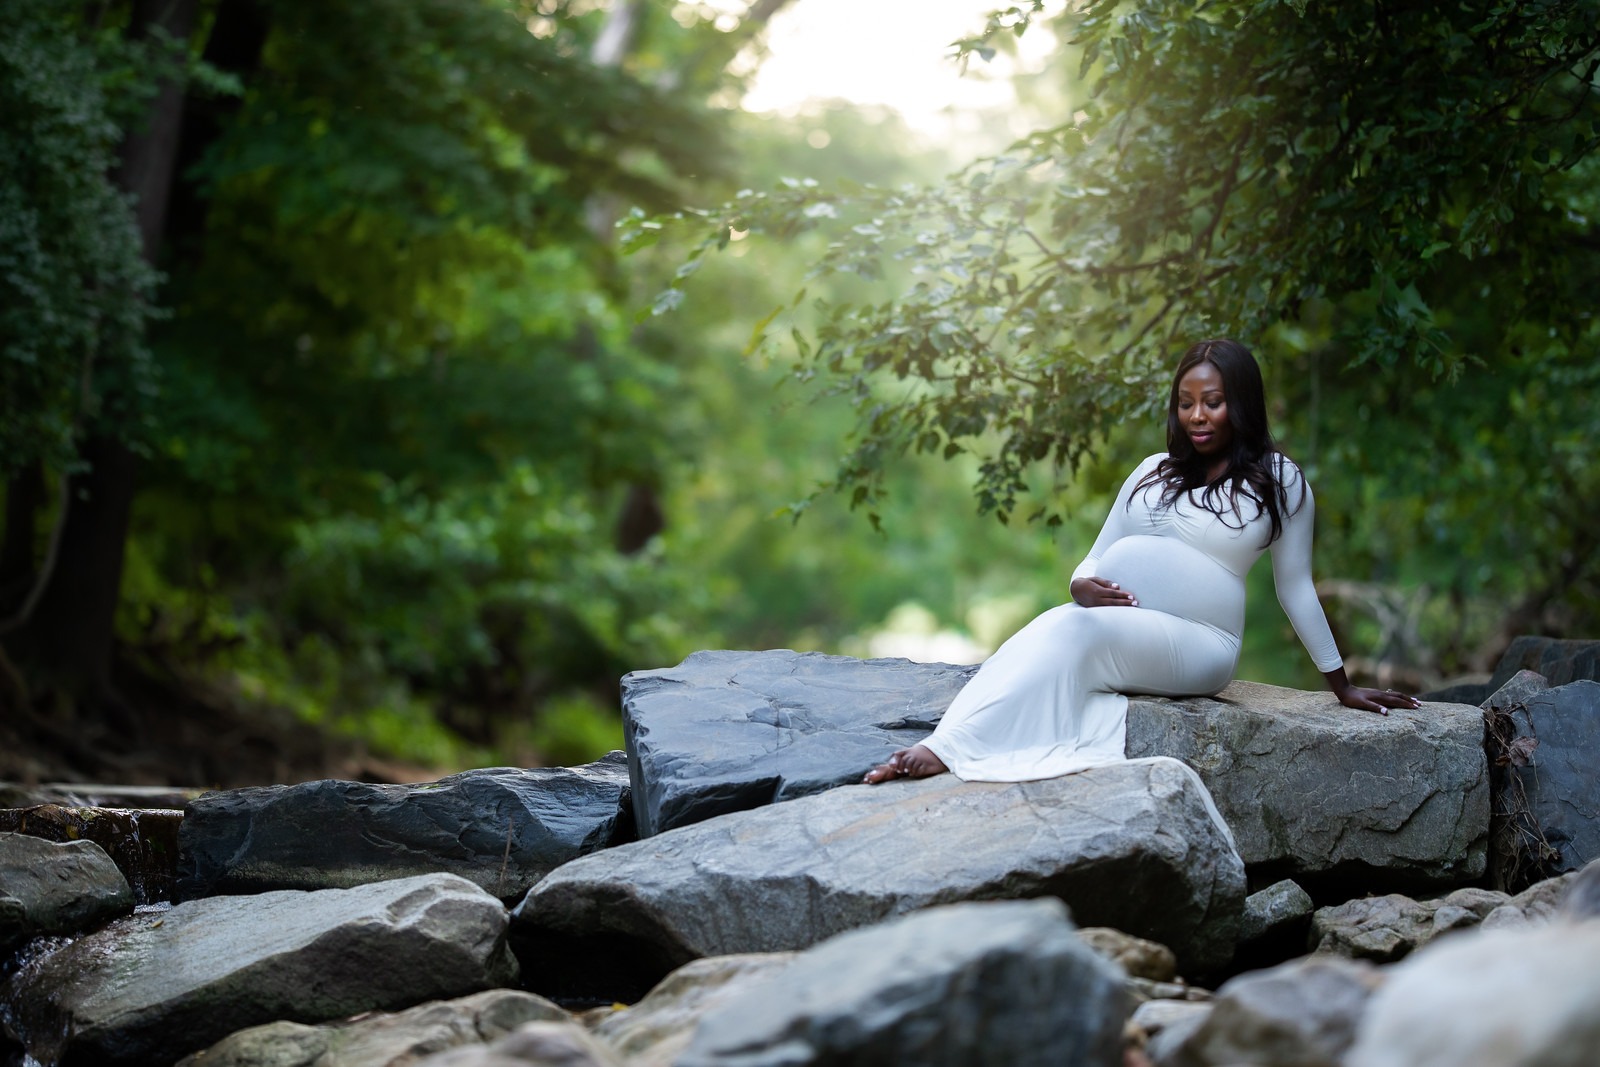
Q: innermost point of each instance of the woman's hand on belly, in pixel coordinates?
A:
(1101, 593)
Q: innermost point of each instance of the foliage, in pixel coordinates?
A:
(74, 287)
(1393, 201)
(1226, 167)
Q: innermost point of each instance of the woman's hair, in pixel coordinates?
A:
(1254, 464)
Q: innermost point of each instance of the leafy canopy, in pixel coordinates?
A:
(1374, 171)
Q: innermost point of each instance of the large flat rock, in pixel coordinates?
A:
(502, 828)
(1131, 845)
(156, 986)
(1312, 788)
(730, 731)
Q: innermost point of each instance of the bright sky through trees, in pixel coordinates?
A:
(891, 52)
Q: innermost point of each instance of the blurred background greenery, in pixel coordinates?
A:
(333, 388)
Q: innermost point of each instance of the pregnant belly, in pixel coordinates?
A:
(1166, 574)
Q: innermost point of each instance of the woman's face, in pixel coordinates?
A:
(1203, 411)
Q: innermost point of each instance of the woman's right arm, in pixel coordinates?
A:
(1087, 587)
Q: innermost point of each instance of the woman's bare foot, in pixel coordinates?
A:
(914, 762)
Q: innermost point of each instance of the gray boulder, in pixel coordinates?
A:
(56, 888)
(1300, 1014)
(502, 828)
(1274, 925)
(656, 1031)
(1130, 845)
(1320, 792)
(1489, 998)
(966, 984)
(381, 1039)
(154, 987)
(1546, 795)
(729, 731)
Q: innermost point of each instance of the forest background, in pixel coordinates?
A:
(380, 382)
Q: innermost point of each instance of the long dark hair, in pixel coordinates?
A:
(1254, 462)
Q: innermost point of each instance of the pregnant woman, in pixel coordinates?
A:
(1158, 604)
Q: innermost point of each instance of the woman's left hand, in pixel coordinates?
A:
(1378, 700)
(1364, 699)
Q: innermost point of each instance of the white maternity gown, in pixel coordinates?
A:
(1051, 700)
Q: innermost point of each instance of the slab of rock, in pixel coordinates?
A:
(1316, 791)
(1560, 661)
(155, 987)
(730, 731)
(1130, 845)
(142, 843)
(49, 887)
(656, 1031)
(1546, 795)
(1489, 998)
(972, 984)
(502, 828)
(1300, 1014)
(381, 1039)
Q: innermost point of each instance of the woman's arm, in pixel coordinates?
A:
(1297, 593)
(1086, 587)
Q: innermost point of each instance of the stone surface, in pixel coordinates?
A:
(1316, 790)
(1546, 795)
(142, 843)
(1137, 957)
(656, 1031)
(1489, 998)
(56, 888)
(1560, 661)
(501, 828)
(540, 1044)
(1388, 928)
(154, 987)
(1299, 1014)
(730, 731)
(381, 1039)
(1005, 982)
(1129, 845)
(1534, 906)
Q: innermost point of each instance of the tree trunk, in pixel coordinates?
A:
(68, 638)
(25, 496)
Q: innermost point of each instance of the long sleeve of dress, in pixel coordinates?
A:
(1291, 573)
(1118, 524)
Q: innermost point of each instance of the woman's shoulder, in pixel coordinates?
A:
(1290, 478)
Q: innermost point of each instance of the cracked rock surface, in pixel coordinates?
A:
(1130, 845)
(502, 828)
(1314, 788)
(729, 731)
